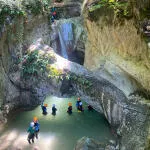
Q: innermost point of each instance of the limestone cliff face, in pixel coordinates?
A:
(120, 44)
(118, 50)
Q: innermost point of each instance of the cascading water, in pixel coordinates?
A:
(63, 47)
(66, 39)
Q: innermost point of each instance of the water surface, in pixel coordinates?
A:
(59, 132)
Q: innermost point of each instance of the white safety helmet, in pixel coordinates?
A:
(32, 124)
(53, 105)
(80, 103)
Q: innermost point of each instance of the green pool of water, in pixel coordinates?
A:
(59, 132)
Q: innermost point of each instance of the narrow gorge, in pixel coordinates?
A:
(98, 50)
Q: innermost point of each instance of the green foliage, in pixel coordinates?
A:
(145, 13)
(121, 8)
(59, 75)
(36, 6)
(7, 11)
(80, 80)
(55, 73)
(12, 9)
(33, 63)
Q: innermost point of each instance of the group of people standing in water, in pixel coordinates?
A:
(34, 127)
(79, 107)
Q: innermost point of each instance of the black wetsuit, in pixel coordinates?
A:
(90, 108)
(69, 110)
(54, 110)
(44, 110)
(37, 129)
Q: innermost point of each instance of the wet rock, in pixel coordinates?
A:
(112, 142)
(109, 147)
(68, 10)
(86, 143)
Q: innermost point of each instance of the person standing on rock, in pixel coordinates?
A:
(53, 14)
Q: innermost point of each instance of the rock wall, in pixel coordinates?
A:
(109, 61)
(15, 40)
(118, 51)
(118, 43)
(130, 117)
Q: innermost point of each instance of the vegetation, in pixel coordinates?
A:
(120, 8)
(33, 63)
(80, 80)
(11, 9)
(60, 75)
(13, 16)
(55, 73)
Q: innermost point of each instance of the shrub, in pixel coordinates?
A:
(33, 63)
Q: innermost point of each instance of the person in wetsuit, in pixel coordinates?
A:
(90, 108)
(69, 111)
(31, 131)
(54, 109)
(44, 109)
(80, 106)
(36, 126)
(77, 103)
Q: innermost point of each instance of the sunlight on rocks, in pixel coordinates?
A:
(61, 63)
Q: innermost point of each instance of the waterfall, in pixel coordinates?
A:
(66, 39)
(63, 47)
